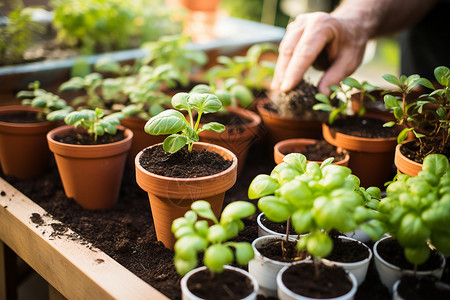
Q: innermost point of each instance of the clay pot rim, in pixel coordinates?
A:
(18, 108)
(289, 142)
(187, 180)
(400, 160)
(336, 135)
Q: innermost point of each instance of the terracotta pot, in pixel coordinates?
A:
(141, 139)
(91, 174)
(171, 198)
(405, 165)
(299, 146)
(24, 152)
(279, 128)
(188, 295)
(201, 5)
(370, 159)
(238, 139)
(285, 293)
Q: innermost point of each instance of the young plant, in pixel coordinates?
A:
(183, 132)
(314, 199)
(340, 98)
(428, 117)
(94, 121)
(194, 236)
(52, 106)
(90, 85)
(249, 70)
(416, 210)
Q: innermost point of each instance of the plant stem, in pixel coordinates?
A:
(288, 225)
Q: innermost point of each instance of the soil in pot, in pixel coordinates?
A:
(183, 164)
(226, 285)
(21, 117)
(320, 151)
(363, 127)
(334, 278)
(274, 250)
(391, 251)
(423, 288)
(411, 150)
(277, 227)
(77, 137)
(343, 253)
(231, 120)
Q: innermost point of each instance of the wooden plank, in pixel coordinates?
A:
(54, 294)
(72, 268)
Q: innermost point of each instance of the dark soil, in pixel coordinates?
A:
(320, 151)
(391, 251)
(77, 137)
(183, 164)
(277, 227)
(363, 127)
(281, 250)
(413, 151)
(234, 123)
(21, 117)
(311, 285)
(343, 252)
(424, 288)
(227, 285)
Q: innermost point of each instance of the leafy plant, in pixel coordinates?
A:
(94, 121)
(249, 70)
(194, 236)
(111, 25)
(183, 132)
(416, 210)
(315, 199)
(17, 34)
(90, 84)
(52, 106)
(340, 98)
(173, 51)
(428, 117)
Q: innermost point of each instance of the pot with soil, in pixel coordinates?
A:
(420, 288)
(267, 227)
(215, 280)
(91, 161)
(290, 115)
(24, 152)
(318, 282)
(315, 150)
(272, 253)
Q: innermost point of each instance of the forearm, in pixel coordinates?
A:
(380, 17)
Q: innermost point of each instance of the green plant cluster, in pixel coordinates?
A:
(231, 94)
(416, 210)
(98, 25)
(195, 235)
(316, 199)
(18, 34)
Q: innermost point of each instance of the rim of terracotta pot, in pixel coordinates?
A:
(92, 151)
(249, 129)
(285, 145)
(171, 187)
(292, 295)
(190, 295)
(17, 128)
(405, 165)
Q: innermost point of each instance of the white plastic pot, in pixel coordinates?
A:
(264, 269)
(263, 230)
(359, 268)
(390, 273)
(186, 294)
(284, 293)
(359, 235)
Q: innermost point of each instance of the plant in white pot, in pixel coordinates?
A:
(200, 231)
(182, 169)
(416, 215)
(316, 199)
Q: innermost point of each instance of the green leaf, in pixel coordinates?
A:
(322, 107)
(244, 253)
(425, 82)
(201, 89)
(412, 231)
(442, 75)
(216, 256)
(302, 221)
(237, 210)
(391, 102)
(436, 164)
(322, 98)
(274, 208)
(217, 234)
(318, 244)
(403, 135)
(297, 161)
(262, 185)
(174, 142)
(392, 79)
(243, 94)
(180, 101)
(417, 255)
(389, 124)
(203, 209)
(224, 96)
(352, 83)
(205, 103)
(167, 122)
(213, 126)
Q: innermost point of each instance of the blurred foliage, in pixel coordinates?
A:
(252, 10)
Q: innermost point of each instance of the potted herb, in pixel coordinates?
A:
(370, 145)
(195, 235)
(427, 117)
(183, 169)
(315, 199)
(415, 213)
(24, 151)
(90, 153)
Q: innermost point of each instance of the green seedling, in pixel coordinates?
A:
(181, 131)
(195, 235)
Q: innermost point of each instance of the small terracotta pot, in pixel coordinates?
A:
(238, 139)
(171, 198)
(405, 165)
(299, 146)
(24, 152)
(279, 128)
(371, 160)
(201, 5)
(91, 174)
(141, 139)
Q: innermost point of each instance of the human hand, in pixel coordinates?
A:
(329, 42)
